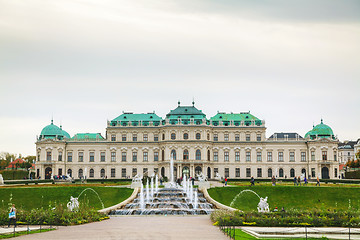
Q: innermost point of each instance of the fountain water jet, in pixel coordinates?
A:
(263, 206)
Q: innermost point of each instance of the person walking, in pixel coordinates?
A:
(252, 181)
(317, 181)
(273, 180)
(305, 181)
(299, 181)
(12, 216)
(295, 181)
(225, 182)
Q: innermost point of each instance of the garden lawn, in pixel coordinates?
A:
(36, 197)
(290, 197)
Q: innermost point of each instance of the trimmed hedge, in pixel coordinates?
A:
(353, 175)
(292, 218)
(14, 174)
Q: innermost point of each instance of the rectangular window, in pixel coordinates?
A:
(145, 156)
(48, 156)
(81, 157)
(248, 156)
(134, 137)
(324, 155)
(123, 156)
(336, 173)
(259, 172)
(280, 156)
(91, 157)
(123, 172)
(134, 172)
(145, 137)
(248, 137)
(248, 172)
(313, 172)
(292, 157)
(216, 137)
(258, 157)
(69, 156)
(312, 155)
(335, 158)
(226, 156)
(269, 156)
(102, 156)
(134, 156)
(237, 137)
(216, 171)
(237, 156)
(156, 156)
(38, 156)
(112, 172)
(226, 137)
(156, 138)
(145, 172)
(123, 137)
(226, 172)
(113, 138)
(258, 137)
(60, 158)
(237, 172)
(113, 156)
(303, 156)
(216, 157)
(60, 171)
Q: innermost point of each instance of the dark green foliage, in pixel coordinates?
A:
(14, 174)
(292, 218)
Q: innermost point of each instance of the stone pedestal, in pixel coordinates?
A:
(204, 185)
(1, 180)
(135, 185)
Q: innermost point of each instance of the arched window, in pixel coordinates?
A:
(173, 136)
(198, 154)
(198, 170)
(303, 171)
(186, 136)
(69, 172)
(281, 172)
(102, 173)
(292, 173)
(208, 155)
(270, 172)
(91, 173)
(80, 174)
(173, 154)
(186, 154)
(198, 136)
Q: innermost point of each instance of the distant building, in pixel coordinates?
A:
(346, 151)
(15, 165)
(233, 145)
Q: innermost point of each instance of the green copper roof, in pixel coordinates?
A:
(53, 131)
(88, 136)
(185, 112)
(321, 130)
(245, 117)
(135, 119)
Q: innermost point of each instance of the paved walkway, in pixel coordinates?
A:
(137, 227)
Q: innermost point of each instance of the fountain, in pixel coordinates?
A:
(263, 205)
(171, 200)
(73, 204)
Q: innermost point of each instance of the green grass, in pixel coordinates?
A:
(36, 197)
(240, 235)
(290, 197)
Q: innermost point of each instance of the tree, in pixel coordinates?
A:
(357, 155)
(5, 159)
(30, 159)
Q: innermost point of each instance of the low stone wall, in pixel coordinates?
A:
(215, 203)
(123, 203)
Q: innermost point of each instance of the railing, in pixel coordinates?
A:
(23, 229)
(234, 232)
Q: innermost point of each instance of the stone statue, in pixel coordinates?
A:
(201, 177)
(203, 182)
(263, 205)
(73, 204)
(1, 180)
(217, 176)
(136, 181)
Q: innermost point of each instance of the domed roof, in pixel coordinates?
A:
(53, 131)
(321, 130)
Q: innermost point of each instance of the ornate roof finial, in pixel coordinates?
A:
(321, 121)
(193, 102)
(179, 103)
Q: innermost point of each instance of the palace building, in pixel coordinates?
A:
(232, 145)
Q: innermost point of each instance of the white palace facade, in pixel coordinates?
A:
(232, 145)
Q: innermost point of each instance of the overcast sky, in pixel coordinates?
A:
(83, 62)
